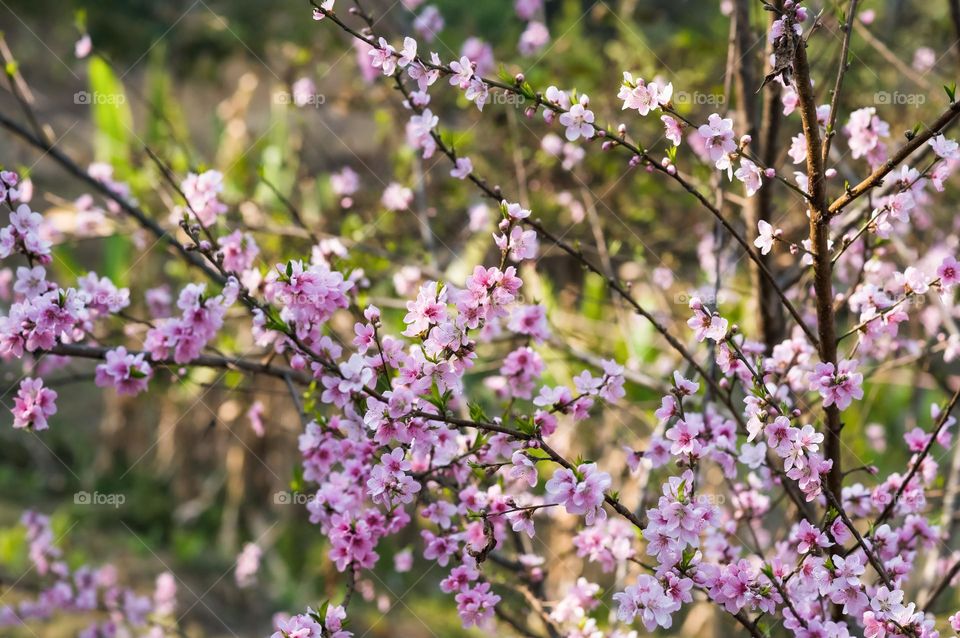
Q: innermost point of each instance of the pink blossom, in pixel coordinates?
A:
(397, 197)
(945, 148)
(462, 168)
(33, 405)
(248, 563)
(949, 272)
(202, 192)
(582, 493)
(534, 38)
(717, 136)
(749, 174)
(672, 129)
(83, 47)
(765, 237)
(383, 58)
(578, 120)
(838, 386)
(127, 372)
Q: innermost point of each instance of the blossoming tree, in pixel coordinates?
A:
(745, 494)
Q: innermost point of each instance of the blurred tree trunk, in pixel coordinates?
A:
(769, 310)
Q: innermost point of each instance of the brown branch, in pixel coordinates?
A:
(617, 140)
(838, 84)
(819, 225)
(141, 217)
(81, 351)
(915, 142)
(915, 467)
(942, 585)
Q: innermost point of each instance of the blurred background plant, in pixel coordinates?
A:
(281, 107)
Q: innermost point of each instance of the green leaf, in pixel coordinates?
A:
(951, 90)
(116, 259)
(112, 116)
(477, 413)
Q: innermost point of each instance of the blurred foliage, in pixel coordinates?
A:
(209, 72)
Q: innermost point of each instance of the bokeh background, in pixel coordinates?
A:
(205, 85)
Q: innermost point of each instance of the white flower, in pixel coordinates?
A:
(764, 240)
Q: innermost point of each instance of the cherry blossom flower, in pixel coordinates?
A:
(397, 197)
(83, 46)
(717, 135)
(462, 168)
(672, 129)
(578, 120)
(127, 372)
(945, 148)
(765, 237)
(384, 58)
(248, 563)
(33, 405)
(749, 173)
(581, 493)
(838, 385)
(202, 192)
(534, 38)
